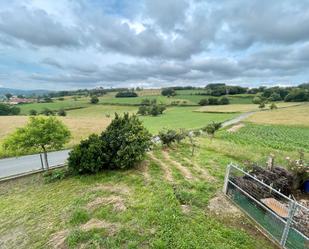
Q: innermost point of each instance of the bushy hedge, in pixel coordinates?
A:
(126, 94)
(214, 101)
(120, 146)
(8, 110)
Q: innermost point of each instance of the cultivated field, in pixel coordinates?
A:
(171, 200)
(298, 115)
(235, 108)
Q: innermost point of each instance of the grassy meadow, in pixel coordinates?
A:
(170, 201)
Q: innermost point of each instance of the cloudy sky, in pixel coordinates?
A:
(64, 44)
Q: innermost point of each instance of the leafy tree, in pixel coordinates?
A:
(33, 112)
(275, 97)
(203, 102)
(6, 110)
(126, 94)
(142, 110)
(257, 100)
(297, 95)
(47, 112)
(213, 101)
(262, 105)
(39, 133)
(8, 96)
(224, 101)
(94, 100)
(168, 92)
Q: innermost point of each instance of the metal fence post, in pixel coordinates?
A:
(292, 210)
(226, 178)
(42, 164)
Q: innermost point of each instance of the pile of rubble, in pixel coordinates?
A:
(301, 218)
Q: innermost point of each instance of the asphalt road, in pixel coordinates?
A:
(24, 164)
(19, 165)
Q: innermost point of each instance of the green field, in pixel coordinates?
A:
(138, 208)
(182, 117)
(286, 138)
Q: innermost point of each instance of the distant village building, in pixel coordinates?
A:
(16, 101)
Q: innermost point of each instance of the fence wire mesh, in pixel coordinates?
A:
(285, 220)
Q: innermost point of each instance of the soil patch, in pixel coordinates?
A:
(111, 228)
(57, 240)
(167, 171)
(116, 201)
(117, 188)
(184, 171)
(236, 127)
(221, 206)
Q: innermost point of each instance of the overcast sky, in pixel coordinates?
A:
(63, 44)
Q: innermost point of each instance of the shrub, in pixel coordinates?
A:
(168, 92)
(126, 141)
(273, 106)
(212, 128)
(33, 112)
(170, 136)
(8, 110)
(256, 100)
(47, 112)
(213, 101)
(142, 110)
(203, 102)
(275, 97)
(62, 113)
(55, 175)
(262, 105)
(94, 100)
(126, 94)
(224, 101)
(88, 156)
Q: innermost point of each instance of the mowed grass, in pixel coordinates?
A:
(35, 214)
(67, 103)
(295, 115)
(234, 108)
(182, 117)
(277, 137)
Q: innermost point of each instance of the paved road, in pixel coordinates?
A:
(24, 164)
(237, 119)
(20, 165)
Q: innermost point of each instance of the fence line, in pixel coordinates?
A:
(277, 214)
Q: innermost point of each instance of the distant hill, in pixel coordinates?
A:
(3, 91)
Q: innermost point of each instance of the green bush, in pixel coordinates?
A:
(171, 136)
(212, 128)
(88, 156)
(94, 100)
(47, 112)
(33, 112)
(8, 110)
(126, 141)
(120, 146)
(55, 175)
(62, 113)
(224, 101)
(126, 94)
(168, 92)
(203, 102)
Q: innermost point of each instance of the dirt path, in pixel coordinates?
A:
(167, 171)
(184, 171)
(236, 127)
(237, 119)
(203, 172)
(144, 169)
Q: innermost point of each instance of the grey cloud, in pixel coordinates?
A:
(37, 28)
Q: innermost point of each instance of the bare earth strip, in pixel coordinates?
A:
(167, 171)
(203, 172)
(184, 171)
(144, 169)
(236, 127)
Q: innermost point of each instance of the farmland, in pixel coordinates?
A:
(168, 200)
